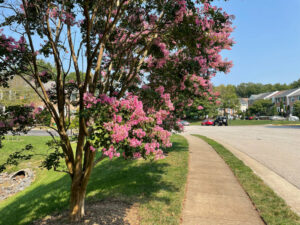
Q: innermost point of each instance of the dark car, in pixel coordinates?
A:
(220, 121)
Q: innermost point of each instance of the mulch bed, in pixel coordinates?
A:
(108, 212)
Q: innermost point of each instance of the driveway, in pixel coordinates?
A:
(277, 148)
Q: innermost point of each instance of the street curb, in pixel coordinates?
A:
(286, 190)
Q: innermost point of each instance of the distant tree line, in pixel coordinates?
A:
(245, 90)
(228, 98)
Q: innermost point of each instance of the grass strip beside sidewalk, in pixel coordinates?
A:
(270, 206)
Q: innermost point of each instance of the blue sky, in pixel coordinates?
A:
(267, 37)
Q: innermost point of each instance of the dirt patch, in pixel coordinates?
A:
(108, 212)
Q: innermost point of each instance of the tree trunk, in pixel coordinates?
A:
(78, 190)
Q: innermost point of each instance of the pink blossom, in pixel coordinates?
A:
(120, 132)
(111, 152)
(133, 142)
(160, 90)
(117, 118)
(137, 155)
(139, 133)
(92, 148)
(151, 147)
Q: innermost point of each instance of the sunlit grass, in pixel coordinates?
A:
(158, 188)
(16, 143)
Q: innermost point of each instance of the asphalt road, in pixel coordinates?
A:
(39, 132)
(277, 148)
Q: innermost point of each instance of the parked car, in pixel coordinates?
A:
(277, 118)
(184, 123)
(249, 117)
(220, 121)
(207, 122)
(293, 118)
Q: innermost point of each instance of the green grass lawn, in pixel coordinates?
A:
(16, 143)
(253, 122)
(270, 206)
(261, 122)
(158, 187)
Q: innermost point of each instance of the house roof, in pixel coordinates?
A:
(243, 100)
(296, 93)
(265, 95)
(286, 92)
(253, 97)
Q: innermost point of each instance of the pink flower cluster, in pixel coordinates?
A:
(161, 115)
(117, 118)
(166, 98)
(92, 148)
(153, 148)
(163, 135)
(133, 142)
(10, 44)
(111, 152)
(64, 16)
(130, 127)
(181, 12)
(120, 132)
(89, 100)
(140, 133)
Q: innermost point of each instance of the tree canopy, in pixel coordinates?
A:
(228, 97)
(245, 90)
(262, 107)
(296, 109)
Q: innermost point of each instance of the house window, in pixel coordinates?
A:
(278, 109)
(292, 99)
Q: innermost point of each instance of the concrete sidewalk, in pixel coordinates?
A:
(213, 195)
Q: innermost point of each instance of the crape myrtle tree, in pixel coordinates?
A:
(137, 64)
